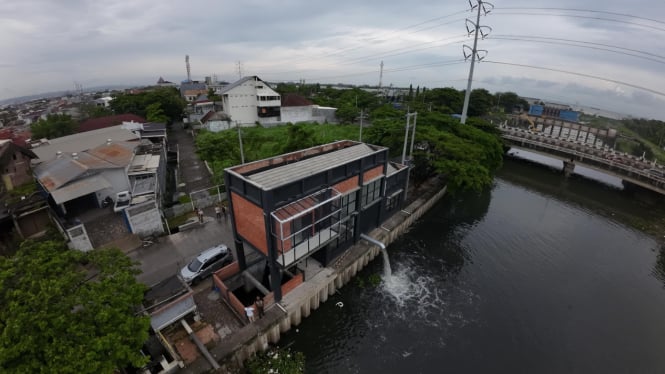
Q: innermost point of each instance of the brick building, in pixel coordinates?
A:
(312, 203)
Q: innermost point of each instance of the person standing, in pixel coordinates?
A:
(200, 213)
(224, 211)
(259, 306)
(218, 212)
(250, 313)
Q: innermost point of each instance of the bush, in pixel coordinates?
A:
(281, 361)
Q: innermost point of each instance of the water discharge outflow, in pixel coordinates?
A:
(387, 272)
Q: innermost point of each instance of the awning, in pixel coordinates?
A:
(79, 188)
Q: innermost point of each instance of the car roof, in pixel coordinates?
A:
(211, 252)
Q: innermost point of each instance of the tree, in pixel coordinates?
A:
(154, 113)
(347, 113)
(70, 312)
(54, 126)
(168, 98)
(212, 96)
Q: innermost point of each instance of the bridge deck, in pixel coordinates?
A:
(627, 167)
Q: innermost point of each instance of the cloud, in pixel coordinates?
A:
(48, 45)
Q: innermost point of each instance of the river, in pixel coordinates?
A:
(538, 274)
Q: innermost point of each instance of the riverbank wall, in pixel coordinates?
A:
(256, 337)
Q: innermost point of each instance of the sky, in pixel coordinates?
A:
(607, 54)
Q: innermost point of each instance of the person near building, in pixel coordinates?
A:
(250, 313)
(259, 306)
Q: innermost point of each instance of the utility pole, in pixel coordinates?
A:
(362, 114)
(406, 136)
(485, 7)
(242, 153)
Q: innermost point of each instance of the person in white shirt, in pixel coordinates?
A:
(250, 313)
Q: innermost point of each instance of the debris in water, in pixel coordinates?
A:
(340, 304)
(406, 354)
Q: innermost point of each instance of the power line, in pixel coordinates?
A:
(578, 16)
(587, 11)
(578, 74)
(554, 41)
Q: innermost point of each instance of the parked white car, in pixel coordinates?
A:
(122, 200)
(206, 263)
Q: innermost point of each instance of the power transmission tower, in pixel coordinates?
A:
(484, 7)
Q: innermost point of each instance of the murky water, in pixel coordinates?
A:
(536, 275)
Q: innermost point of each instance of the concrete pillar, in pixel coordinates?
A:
(568, 167)
(323, 293)
(314, 301)
(305, 308)
(296, 317)
(285, 324)
(273, 334)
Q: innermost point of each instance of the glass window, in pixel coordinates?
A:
(194, 266)
(371, 192)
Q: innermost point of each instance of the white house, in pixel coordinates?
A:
(296, 108)
(251, 100)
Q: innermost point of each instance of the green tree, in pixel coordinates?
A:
(154, 113)
(95, 111)
(347, 113)
(281, 361)
(168, 98)
(212, 96)
(64, 311)
(54, 126)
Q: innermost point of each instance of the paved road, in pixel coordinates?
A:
(172, 252)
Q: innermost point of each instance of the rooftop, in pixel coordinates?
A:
(277, 171)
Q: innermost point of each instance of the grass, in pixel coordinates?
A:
(179, 220)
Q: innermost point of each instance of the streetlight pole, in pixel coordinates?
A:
(242, 153)
(362, 114)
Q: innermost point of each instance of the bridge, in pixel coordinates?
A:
(591, 153)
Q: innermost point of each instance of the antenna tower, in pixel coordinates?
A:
(381, 75)
(189, 73)
(475, 28)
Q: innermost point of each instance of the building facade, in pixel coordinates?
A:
(250, 100)
(312, 203)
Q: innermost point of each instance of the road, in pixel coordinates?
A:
(170, 253)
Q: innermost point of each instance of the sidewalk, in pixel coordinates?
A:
(193, 171)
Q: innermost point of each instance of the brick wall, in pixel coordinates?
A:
(287, 287)
(249, 222)
(347, 185)
(372, 173)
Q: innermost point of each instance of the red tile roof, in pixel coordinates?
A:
(108, 121)
(291, 99)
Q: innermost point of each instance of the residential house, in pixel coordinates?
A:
(80, 181)
(164, 83)
(14, 165)
(311, 204)
(296, 108)
(200, 107)
(108, 121)
(191, 90)
(215, 121)
(48, 149)
(250, 100)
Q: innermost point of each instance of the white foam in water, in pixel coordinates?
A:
(432, 299)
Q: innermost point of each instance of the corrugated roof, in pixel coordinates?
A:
(281, 175)
(59, 172)
(82, 141)
(119, 154)
(238, 83)
(108, 121)
(80, 188)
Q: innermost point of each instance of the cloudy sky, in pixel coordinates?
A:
(608, 54)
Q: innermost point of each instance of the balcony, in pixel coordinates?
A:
(306, 225)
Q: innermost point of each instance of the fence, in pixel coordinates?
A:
(199, 199)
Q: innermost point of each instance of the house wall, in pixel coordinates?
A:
(17, 171)
(372, 173)
(295, 114)
(241, 102)
(118, 180)
(347, 185)
(216, 126)
(144, 219)
(249, 222)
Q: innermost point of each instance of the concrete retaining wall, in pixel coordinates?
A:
(308, 296)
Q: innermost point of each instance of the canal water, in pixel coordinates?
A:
(539, 274)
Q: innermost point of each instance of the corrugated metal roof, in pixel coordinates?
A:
(173, 313)
(282, 175)
(238, 83)
(82, 141)
(116, 153)
(58, 172)
(80, 188)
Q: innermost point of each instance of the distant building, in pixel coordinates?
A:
(191, 90)
(108, 121)
(296, 108)
(215, 121)
(164, 83)
(14, 165)
(250, 100)
(554, 111)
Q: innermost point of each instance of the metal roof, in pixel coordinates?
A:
(238, 83)
(82, 141)
(80, 188)
(284, 174)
